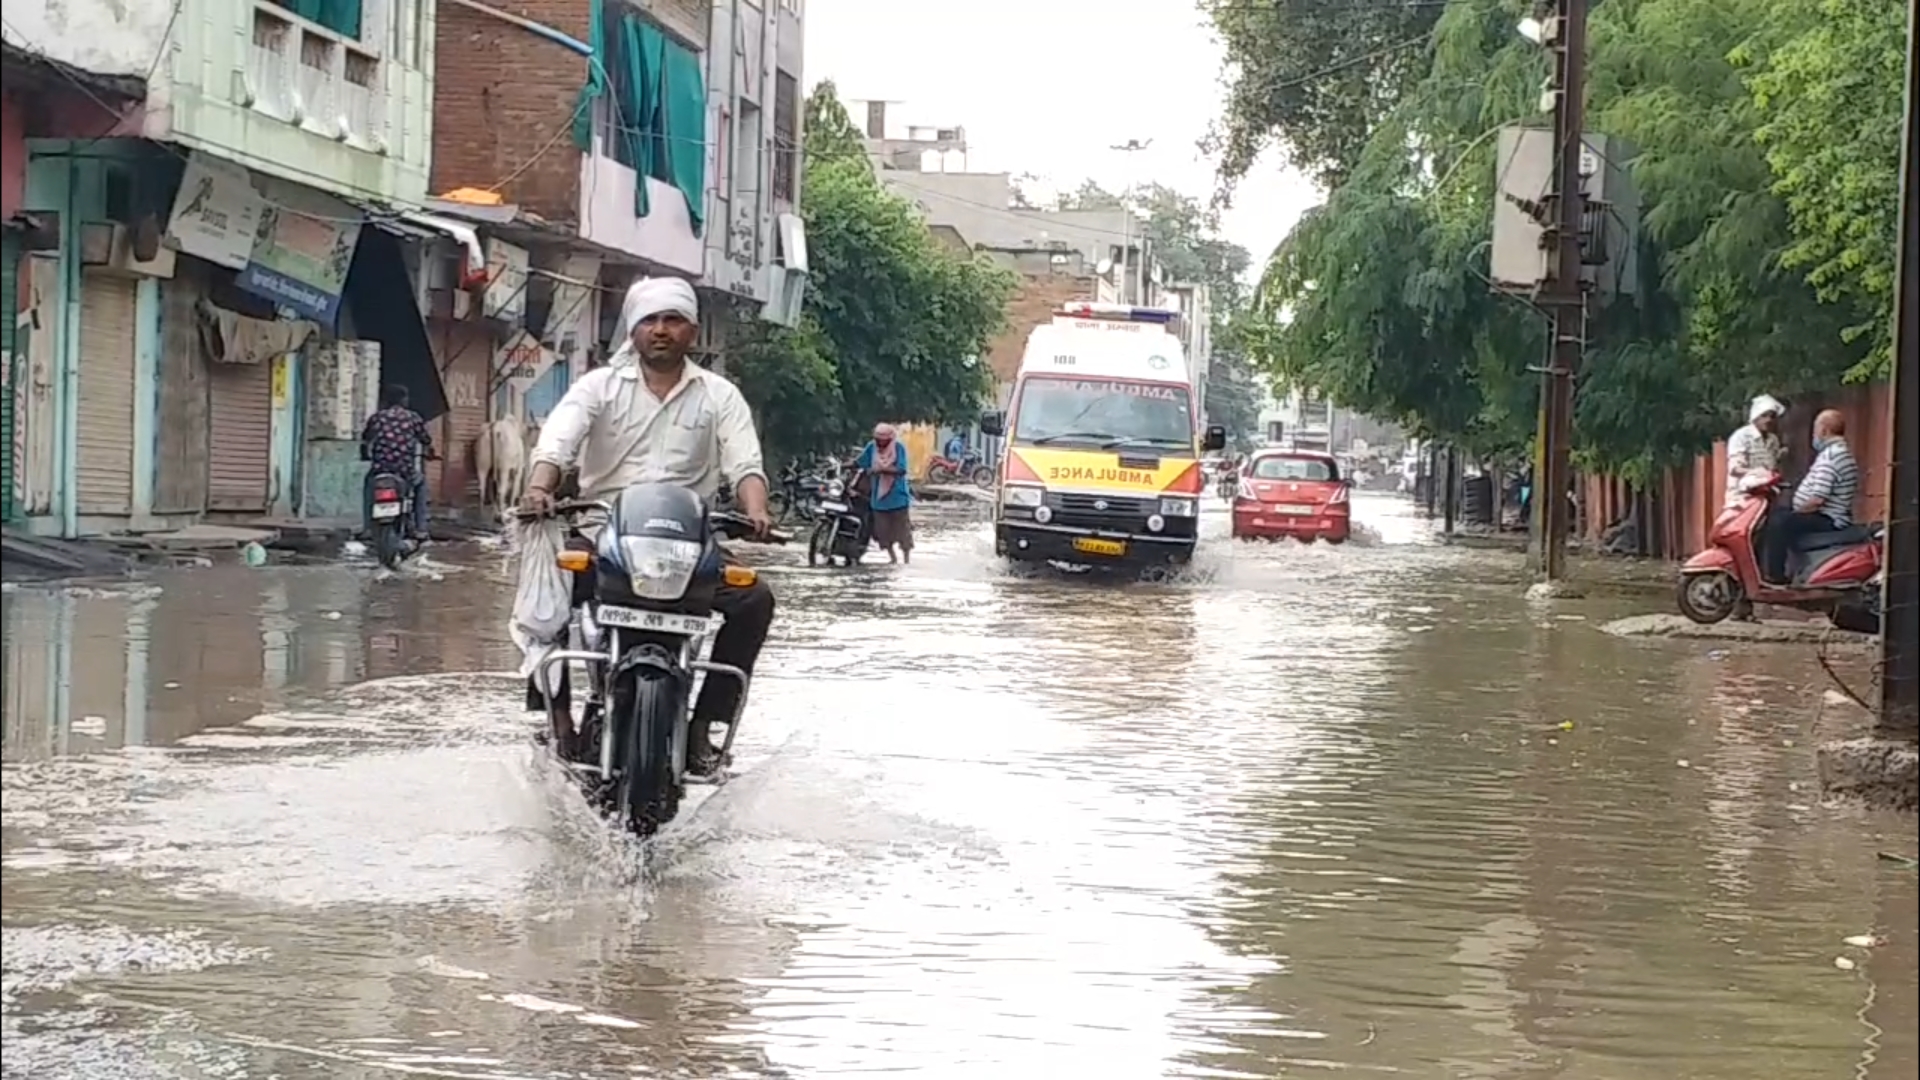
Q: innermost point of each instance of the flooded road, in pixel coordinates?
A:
(1353, 810)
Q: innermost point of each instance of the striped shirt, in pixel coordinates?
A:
(1833, 479)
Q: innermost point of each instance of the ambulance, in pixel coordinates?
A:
(1104, 437)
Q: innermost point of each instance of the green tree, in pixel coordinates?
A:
(1379, 297)
(893, 321)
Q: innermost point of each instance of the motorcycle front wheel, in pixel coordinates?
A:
(1709, 598)
(820, 543)
(648, 794)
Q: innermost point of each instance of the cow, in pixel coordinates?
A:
(500, 460)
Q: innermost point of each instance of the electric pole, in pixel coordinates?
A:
(1900, 601)
(1564, 33)
(1123, 279)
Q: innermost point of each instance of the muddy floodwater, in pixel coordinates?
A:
(1355, 810)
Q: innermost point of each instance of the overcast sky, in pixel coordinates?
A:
(1047, 86)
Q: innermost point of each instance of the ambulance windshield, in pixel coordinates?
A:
(1108, 413)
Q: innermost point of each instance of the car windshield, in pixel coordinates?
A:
(1101, 411)
(1276, 467)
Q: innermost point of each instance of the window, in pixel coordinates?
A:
(1304, 469)
(657, 91)
(340, 16)
(786, 135)
(1100, 411)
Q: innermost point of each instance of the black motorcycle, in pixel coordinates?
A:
(845, 527)
(392, 526)
(644, 588)
(798, 495)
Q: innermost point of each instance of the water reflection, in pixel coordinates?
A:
(1358, 809)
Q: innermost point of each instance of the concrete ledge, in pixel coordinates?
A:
(1878, 772)
(1755, 633)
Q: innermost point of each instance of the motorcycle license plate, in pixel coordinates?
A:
(1091, 546)
(383, 511)
(658, 621)
(834, 507)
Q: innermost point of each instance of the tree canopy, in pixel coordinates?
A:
(894, 322)
(1762, 139)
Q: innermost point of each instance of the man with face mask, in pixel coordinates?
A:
(1823, 502)
(652, 416)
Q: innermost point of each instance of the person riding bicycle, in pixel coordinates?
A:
(652, 416)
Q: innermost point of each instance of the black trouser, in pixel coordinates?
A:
(1784, 528)
(748, 613)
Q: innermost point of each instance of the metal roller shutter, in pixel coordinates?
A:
(107, 316)
(240, 443)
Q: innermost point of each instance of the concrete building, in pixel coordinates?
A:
(186, 171)
(1298, 418)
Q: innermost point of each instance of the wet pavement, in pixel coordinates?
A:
(1357, 809)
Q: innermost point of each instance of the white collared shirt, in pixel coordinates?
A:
(620, 434)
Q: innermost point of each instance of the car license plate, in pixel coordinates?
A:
(658, 621)
(1093, 546)
(1293, 511)
(383, 511)
(834, 507)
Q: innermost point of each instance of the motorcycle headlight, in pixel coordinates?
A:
(1183, 508)
(1019, 495)
(657, 567)
(836, 489)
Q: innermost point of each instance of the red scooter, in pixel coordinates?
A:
(1827, 572)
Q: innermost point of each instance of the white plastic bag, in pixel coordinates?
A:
(543, 599)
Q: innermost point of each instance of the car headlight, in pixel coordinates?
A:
(836, 489)
(1182, 508)
(1022, 496)
(659, 568)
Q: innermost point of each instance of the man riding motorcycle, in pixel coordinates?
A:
(651, 416)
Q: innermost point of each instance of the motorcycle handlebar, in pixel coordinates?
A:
(730, 525)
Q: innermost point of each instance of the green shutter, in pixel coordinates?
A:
(16, 363)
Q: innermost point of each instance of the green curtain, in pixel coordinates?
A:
(658, 97)
(340, 16)
(683, 110)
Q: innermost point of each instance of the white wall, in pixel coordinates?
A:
(110, 37)
(664, 236)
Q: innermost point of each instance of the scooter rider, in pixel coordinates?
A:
(651, 416)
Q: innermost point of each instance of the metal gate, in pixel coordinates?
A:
(12, 363)
(240, 446)
(107, 317)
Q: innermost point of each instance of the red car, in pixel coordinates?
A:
(1297, 493)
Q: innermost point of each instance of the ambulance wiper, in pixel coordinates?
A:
(1044, 440)
(1143, 440)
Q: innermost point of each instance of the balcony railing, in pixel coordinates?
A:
(305, 74)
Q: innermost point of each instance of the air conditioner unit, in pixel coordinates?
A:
(109, 245)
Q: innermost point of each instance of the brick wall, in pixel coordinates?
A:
(501, 94)
(1031, 306)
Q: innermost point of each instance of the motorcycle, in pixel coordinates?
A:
(845, 527)
(644, 591)
(390, 533)
(1831, 572)
(947, 470)
(798, 496)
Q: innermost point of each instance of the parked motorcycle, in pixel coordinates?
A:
(845, 527)
(968, 466)
(798, 495)
(1830, 572)
(644, 589)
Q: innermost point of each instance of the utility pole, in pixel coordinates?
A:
(1900, 602)
(1123, 278)
(1565, 34)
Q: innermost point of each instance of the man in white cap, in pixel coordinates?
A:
(651, 416)
(1755, 447)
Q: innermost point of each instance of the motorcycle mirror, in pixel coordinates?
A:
(1216, 439)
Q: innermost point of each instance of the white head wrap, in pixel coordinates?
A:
(655, 296)
(1763, 405)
